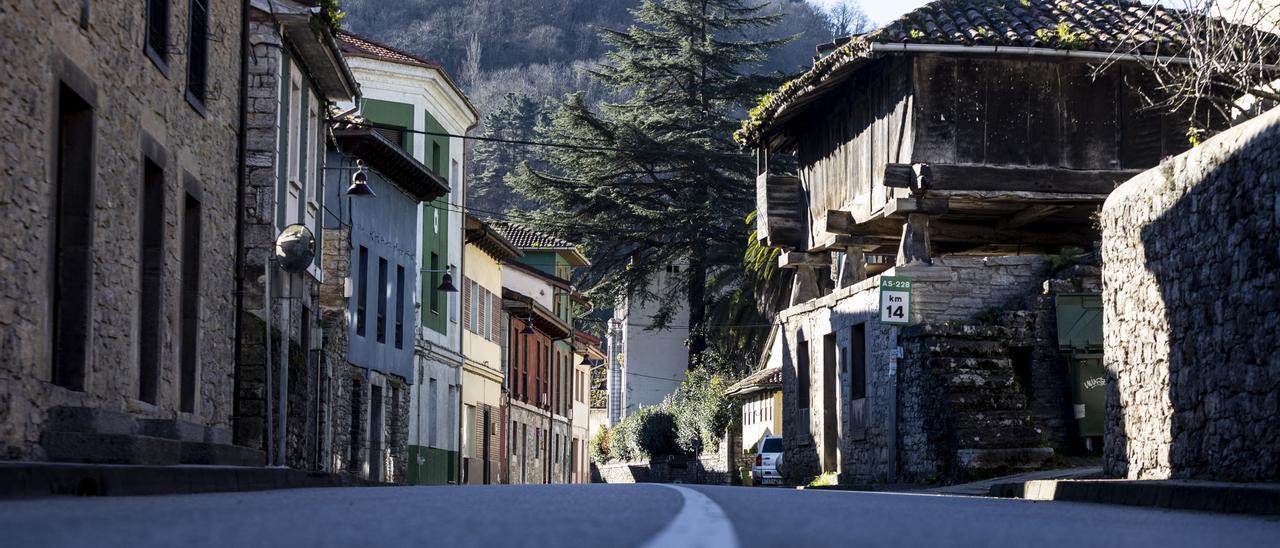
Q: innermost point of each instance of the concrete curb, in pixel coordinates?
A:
(1208, 496)
(28, 479)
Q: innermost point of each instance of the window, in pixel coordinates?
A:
(399, 306)
(483, 304)
(433, 412)
(435, 283)
(435, 158)
(858, 355)
(362, 289)
(395, 134)
(315, 159)
(157, 42)
(473, 302)
(802, 373)
(190, 302)
(150, 310)
(381, 326)
(197, 53)
(515, 429)
(294, 152)
(556, 448)
(73, 239)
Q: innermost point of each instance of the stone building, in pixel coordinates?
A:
(296, 75)
(117, 265)
(587, 355)
(959, 152)
(413, 101)
(1191, 263)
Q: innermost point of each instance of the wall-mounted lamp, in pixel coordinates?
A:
(446, 281)
(360, 183)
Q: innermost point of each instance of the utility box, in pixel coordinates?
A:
(1080, 340)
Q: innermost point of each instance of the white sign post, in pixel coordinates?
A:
(895, 300)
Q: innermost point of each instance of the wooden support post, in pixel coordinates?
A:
(854, 267)
(805, 287)
(915, 240)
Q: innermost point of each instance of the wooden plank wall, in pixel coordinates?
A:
(1038, 112)
(845, 140)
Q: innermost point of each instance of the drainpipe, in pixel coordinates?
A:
(242, 170)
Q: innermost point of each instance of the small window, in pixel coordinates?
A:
(435, 283)
(399, 306)
(150, 308)
(190, 302)
(198, 54)
(802, 373)
(395, 134)
(362, 289)
(157, 43)
(858, 355)
(381, 326)
(435, 158)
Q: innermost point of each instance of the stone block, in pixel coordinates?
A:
(173, 429)
(91, 420)
(110, 448)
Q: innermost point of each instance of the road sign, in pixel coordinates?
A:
(895, 300)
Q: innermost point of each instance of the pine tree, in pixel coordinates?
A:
(656, 179)
(517, 117)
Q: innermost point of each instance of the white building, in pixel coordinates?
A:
(648, 364)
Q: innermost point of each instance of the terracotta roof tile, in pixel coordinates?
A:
(1105, 26)
(527, 238)
(359, 46)
(760, 380)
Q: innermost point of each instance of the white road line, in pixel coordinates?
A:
(701, 523)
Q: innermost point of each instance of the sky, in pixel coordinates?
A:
(880, 11)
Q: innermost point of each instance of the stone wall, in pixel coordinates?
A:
(711, 468)
(1191, 270)
(952, 289)
(531, 453)
(99, 55)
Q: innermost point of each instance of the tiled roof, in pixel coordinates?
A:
(1085, 25)
(527, 238)
(760, 380)
(359, 46)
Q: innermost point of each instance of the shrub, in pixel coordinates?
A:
(601, 445)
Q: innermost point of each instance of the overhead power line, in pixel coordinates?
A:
(526, 142)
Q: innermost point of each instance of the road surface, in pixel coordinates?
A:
(606, 515)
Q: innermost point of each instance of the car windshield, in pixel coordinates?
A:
(772, 445)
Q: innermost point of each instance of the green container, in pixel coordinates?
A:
(1080, 340)
(1088, 393)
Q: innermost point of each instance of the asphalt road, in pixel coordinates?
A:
(606, 515)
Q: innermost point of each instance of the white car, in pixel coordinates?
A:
(768, 457)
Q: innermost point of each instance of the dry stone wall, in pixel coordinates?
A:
(1191, 271)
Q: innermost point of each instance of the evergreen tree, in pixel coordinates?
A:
(515, 118)
(656, 179)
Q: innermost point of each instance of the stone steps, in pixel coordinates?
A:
(100, 436)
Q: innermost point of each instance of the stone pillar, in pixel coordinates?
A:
(915, 246)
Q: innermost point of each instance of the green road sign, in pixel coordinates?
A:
(895, 300)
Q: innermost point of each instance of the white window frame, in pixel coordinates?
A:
(316, 160)
(293, 159)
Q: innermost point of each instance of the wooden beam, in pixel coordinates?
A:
(1029, 215)
(794, 259)
(900, 207)
(945, 231)
(1007, 178)
(839, 221)
(779, 210)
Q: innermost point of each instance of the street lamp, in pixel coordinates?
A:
(446, 281)
(360, 183)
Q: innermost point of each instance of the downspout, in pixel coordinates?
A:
(242, 171)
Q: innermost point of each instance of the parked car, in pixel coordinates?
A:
(768, 457)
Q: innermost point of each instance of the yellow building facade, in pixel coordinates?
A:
(483, 371)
